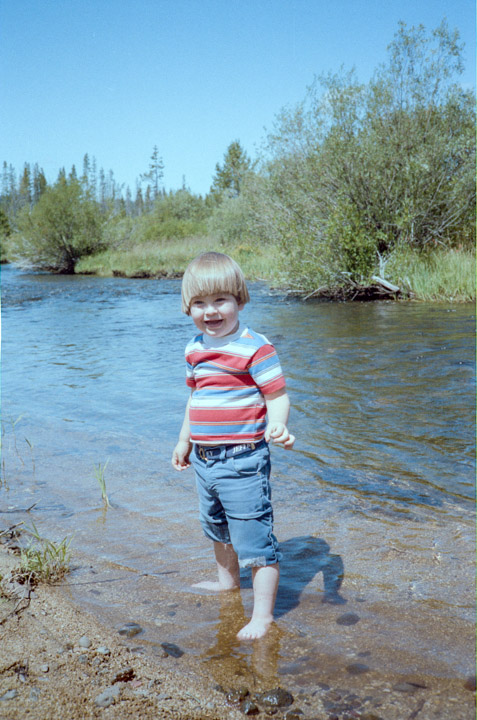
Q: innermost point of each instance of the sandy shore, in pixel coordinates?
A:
(46, 673)
(58, 661)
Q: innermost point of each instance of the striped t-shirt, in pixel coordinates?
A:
(230, 376)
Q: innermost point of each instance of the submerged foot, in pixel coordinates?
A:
(214, 586)
(254, 629)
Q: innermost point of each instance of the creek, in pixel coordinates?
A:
(378, 492)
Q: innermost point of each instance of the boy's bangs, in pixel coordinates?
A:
(213, 273)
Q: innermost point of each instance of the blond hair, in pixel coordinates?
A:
(211, 273)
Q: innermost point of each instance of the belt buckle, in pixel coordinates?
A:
(202, 454)
(238, 449)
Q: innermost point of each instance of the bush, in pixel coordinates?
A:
(65, 225)
(356, 170)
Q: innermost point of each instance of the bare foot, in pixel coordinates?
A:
(254, 629)
(214, 586)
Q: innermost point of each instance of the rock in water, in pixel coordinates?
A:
(275, 698)
(248, 707)
(172, 649)
(130, 629)
(348, 619)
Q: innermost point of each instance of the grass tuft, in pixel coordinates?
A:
(440, 275)
(43, 560)
(99, 473)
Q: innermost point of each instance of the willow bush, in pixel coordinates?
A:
(356, 170)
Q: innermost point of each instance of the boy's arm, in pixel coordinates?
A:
(180, 455)
(278, 408)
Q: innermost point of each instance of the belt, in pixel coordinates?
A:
(207, 452)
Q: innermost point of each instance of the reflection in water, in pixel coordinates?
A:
(231, 661)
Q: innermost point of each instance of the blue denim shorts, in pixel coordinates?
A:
(235, 502)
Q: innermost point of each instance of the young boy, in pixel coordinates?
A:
(236, 382)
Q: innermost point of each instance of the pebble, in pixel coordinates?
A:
(248, 707)
(294, 714)
(130, 629)
(235, 697)
(45, 668)
(357, 668)
(107, 697)
(34, 694)
(408, 687)
(103, 650)
(9, 695)
(84, 642)
(172, 649)
(275, 698)
(348, 619)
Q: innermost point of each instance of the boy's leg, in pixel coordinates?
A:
(265, 584)
(227, 568)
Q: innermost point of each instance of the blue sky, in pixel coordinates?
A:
(113, 78)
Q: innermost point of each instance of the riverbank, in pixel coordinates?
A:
(441, 275)
(57, 660)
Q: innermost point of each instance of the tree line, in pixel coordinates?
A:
(350, 176)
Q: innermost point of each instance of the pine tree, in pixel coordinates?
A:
(39, 183)
(139, 202)
(25, 186)
(155, 174)
(86, 172)
(229, 177)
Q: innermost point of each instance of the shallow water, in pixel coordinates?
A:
(378, 493)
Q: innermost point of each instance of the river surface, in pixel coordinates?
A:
(378, 493)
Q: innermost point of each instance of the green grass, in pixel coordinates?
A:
(170, 258)
(43, 560)
(99, 473)
(441, 275)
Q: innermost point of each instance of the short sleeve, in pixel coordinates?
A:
(190, 380)
(266, 371)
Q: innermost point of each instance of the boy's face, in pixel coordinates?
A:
(216, 315)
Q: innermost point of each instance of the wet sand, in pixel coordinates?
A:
(371, 652)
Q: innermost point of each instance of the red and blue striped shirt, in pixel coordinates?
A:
(229, 377)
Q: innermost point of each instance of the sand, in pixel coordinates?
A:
(46, 672)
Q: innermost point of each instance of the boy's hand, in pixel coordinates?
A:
(180, 456)
(278, 432)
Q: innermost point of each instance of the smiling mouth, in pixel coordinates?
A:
(213, 324)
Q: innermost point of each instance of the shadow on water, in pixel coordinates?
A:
(303, 558)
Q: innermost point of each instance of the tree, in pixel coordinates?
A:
(154, 176)
(357, 170)
(39, 183)
(61, 228)
(25, 186)
(230, 175)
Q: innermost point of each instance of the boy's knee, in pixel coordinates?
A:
(254, 541)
